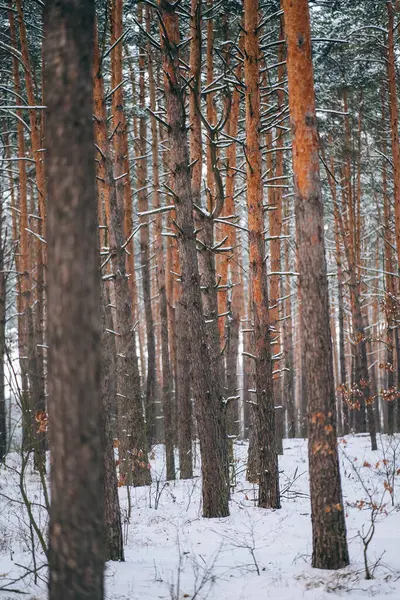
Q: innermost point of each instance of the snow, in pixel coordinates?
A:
(172, 552)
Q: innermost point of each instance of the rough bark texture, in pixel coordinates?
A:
(112, 515)
(22, 259)
(134, 465)
(76, 552)
(390, 297)
(288, 375)
(114, 547)
(209, 404)
(3, 430)
(195, 139)
(160, 275)
(38, 402)
(363, 402)
(343, 424)
(180, 351)
(120, 131)
(230, 293)
(142, 183)
(264, 413)
(342, 359)
(205, 218)
(328, 519)
(183, 393)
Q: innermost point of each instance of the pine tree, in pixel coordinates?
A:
(328, 522)
(76, 553)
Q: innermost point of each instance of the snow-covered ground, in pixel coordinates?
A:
(173, 553)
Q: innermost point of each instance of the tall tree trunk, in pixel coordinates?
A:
(394, 128)
(112, 514)
(268, 475)
(114, 546)
(128, 228)
(288, 375)
(37, 401)
(340, 285)
(180, 350)
(134, 465)
(328, 517)
(205, 219)
(180, 343)
(390, 296)
(301, 377)
(76, 553)
(394, 123)
(363, 401)
(209, 403)
(3, 427)
(142, 182)
(23, 262)
(183, 391)
(230, 298)
(161, 283)
(132, 448)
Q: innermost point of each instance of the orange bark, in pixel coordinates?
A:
(35, 123)
(101, 140)
(36, 118)
(264, 415)
(329, 528)
(120, 135)
(24, 266)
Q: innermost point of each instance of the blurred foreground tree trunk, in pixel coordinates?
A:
(76, 554)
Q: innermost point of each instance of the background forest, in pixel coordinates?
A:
(246, 225)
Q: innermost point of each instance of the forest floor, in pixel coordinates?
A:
(173, 553)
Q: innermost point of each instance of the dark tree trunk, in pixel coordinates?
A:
(134, 464)
(247, 377)
(390, 380)
(328, 515)
(301, 373)
(76, 546)
(205, 222)
(209, 403)
(397, 341)
(38, 436)
(183, 394)
(253, 462)
(232, 348)
(372, 406)
(288, 375)
(35, 322)
(114, 548)
(3, 428)
(22, 259)
(142, 183)
(342, 357)
(160, 276)
(362, 379)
